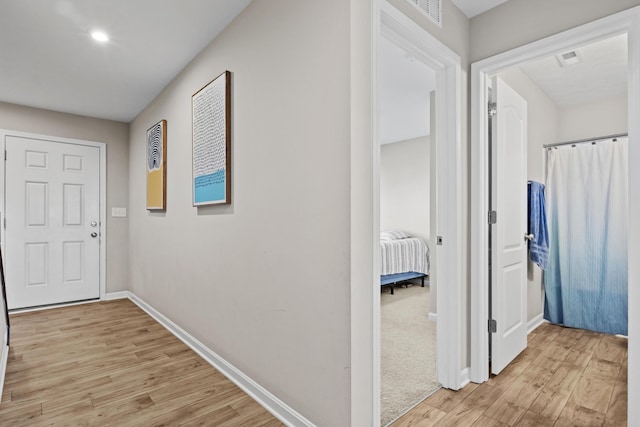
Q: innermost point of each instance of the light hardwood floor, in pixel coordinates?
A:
(566, 377)
(110, 364)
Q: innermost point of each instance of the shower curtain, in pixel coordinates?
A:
(586, 277)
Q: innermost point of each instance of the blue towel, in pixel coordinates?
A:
(539, 246)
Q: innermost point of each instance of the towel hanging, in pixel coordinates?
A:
(539, 236)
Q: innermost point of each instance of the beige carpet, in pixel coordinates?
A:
(408, 351)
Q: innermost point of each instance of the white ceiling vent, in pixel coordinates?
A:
(431, 8)
(569, 58)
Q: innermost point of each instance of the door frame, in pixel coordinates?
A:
(623, 22)
(103, 192)
(398, 28)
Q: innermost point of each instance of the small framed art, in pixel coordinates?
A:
(157, 166)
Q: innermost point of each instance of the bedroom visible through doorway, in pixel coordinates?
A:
(408, 297)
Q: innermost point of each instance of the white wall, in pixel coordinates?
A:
(116, 136)
(363, 219)
(518, 22)
(542, 126)
(264, 282)
(593, 119)
(405, 187)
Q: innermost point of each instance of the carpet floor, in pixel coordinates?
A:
(408, 351)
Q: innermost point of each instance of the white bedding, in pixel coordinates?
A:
(404, 255)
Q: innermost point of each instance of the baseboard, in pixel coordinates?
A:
(433, 317)
(271, 403)
(116, 295)
(534, 323)
(464, 377)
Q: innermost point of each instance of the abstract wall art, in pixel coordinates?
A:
(211, 114)
(157, 166)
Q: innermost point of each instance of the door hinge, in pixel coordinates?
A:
(5, 155)
(493, 217)
(493, 326)
(492, 109)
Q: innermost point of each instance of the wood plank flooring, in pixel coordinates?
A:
(110, 364)
(566, 377)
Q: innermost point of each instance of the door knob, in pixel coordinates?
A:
(94, 234)
(528, 237)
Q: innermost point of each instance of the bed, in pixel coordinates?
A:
(403, 258)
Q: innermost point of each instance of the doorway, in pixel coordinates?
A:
(53, 205)
(408, 296)
(445, 255)
(607, 28)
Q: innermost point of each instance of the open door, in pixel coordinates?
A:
(509, 226)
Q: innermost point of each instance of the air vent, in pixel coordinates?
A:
(431, 8)
(567, 59)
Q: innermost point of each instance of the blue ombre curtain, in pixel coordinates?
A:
(587, 211)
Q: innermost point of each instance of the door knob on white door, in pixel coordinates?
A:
(528, 237)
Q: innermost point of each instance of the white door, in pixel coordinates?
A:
(508, 245)
(52, 205)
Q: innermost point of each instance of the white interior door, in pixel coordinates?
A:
(508, 244)
(52, 205)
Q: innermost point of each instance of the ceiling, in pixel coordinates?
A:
(472, 8)
(404, 84)
(601, 73)
(48, 59)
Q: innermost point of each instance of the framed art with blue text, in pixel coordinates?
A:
(211, 141)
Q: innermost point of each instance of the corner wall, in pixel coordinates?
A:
(116, 136)
(265, 281)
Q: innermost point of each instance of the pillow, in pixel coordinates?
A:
(393, 235)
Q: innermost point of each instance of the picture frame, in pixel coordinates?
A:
(157, 166)
(211, 141)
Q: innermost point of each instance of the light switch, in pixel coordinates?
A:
(118, 212)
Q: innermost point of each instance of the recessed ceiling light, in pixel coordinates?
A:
(100, 36)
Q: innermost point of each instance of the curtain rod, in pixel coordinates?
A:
(582, 141)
